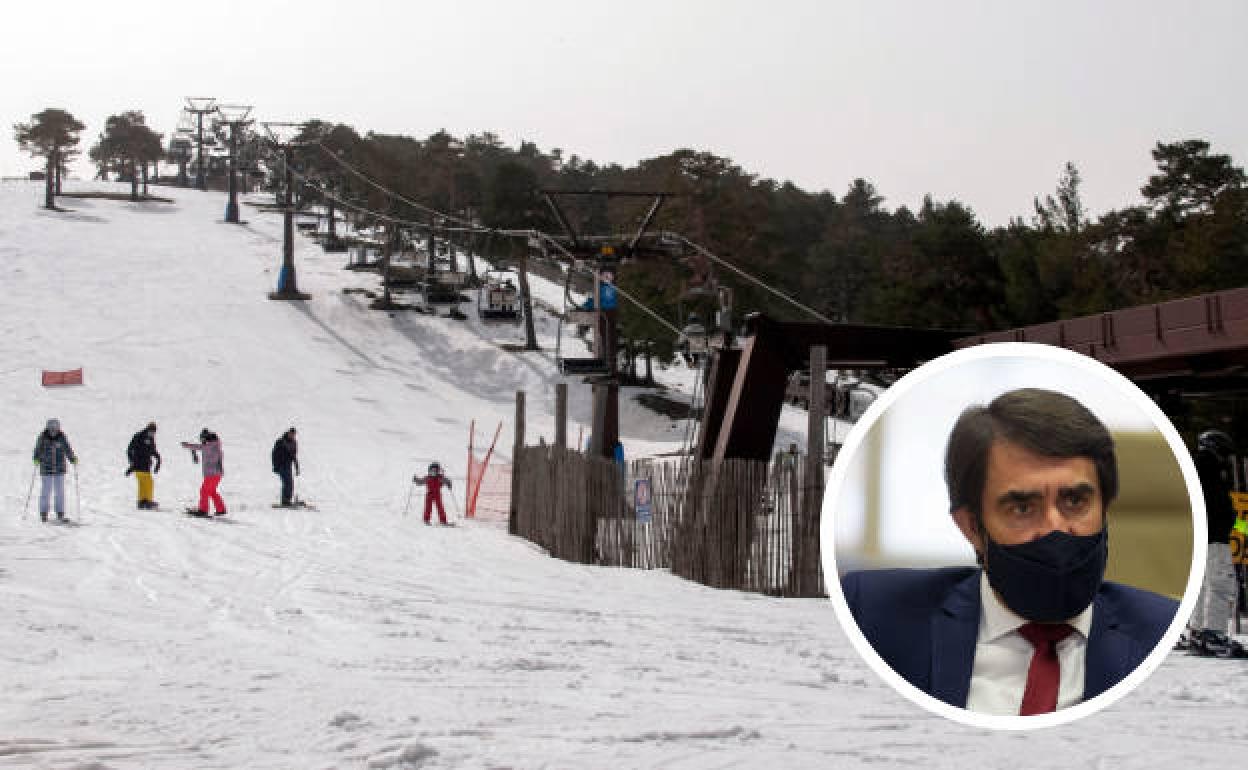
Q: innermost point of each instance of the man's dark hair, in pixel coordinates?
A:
(1044, 422)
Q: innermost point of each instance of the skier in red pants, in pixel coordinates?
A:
(434, 482)
(214, 469)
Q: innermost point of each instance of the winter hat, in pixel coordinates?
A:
(54, 425)
(435, 468)
(205, 434)
(150, 426)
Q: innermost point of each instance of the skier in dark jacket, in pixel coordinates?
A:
(433, 482)
(52, 451)
(285, 459)
(1214, 607)
(141, 453)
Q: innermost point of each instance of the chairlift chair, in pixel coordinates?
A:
(442, 285)
(694, 342)
(574, 316)
(860, 396)
(498, 298)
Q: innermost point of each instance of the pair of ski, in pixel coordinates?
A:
(61, 521)
(200, 514)
(296, 505)
(1212, 644)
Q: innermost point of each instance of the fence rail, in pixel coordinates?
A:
(737, 524)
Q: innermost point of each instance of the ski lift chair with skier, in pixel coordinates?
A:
(693, 342)
(498, 299)
(588, 313)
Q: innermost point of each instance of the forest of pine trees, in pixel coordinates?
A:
(849, 256)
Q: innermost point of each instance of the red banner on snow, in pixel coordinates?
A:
(72, 377)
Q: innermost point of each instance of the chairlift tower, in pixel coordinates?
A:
(283, 137)
(604, 255)
(180, 153)
(199, 106)
(234, 116)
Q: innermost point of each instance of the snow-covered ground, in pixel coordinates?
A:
(352, 636)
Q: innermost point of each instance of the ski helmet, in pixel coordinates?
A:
(205, 434)
(54, 425)
(435, 469)
(1216, 441)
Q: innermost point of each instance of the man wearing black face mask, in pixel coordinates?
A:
(1037, 628)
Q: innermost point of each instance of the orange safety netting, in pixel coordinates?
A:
(489, 484)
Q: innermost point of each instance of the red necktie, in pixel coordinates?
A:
(1044, 674)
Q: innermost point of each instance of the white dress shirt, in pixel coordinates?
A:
(1002, 657)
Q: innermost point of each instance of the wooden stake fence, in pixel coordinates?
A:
(738, 524)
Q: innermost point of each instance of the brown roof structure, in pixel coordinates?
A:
(1187, 345)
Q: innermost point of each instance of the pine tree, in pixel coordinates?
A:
(126, 145)
(1189, 178)
(1065, 213)
(53, 135)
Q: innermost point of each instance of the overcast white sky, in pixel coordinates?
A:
(979, 101)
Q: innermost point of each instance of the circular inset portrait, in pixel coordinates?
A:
(1010, 535)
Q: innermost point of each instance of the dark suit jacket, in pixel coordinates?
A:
(924, 624)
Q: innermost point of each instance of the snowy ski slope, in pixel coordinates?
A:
(353, 636)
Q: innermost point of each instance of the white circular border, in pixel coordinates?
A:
(1064, 357)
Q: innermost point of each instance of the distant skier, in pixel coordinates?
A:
(1214, 451)
(52, 450)
(434, 482)
(607, 293)
(213, 467)
(285, 459)
(141, 452)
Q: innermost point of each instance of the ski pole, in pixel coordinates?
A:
(458, 513)
(410, 491)
(77, 495)
(29, 492)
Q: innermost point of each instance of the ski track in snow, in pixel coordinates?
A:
(353, 636)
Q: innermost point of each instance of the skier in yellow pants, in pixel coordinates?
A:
(141, 453)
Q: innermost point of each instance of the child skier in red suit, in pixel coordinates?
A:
(433, 491)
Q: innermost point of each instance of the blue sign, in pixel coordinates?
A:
(641, 500)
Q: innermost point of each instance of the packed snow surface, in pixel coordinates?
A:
(352, 635)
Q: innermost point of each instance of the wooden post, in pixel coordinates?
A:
(515, 460)
(526, 301)
(561, 415)
(812, 497)
(818, 405)
(389, 236)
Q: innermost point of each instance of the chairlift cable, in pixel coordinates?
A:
(621, 292)
(474, 227)
(538, 234)
(707, 253)
(381, 188)
(636, 302)
(310, 182)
